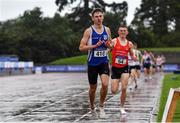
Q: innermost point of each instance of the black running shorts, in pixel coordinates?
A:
(93, 72)
(117, 72)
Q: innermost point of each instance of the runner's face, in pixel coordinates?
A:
(123, 32)
(98, 18)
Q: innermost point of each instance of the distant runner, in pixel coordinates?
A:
(146, 62)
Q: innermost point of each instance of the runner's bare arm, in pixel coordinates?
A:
(131, 51)
(142, 61)
(140, 53)
(109, 43)
(152, 57)
(113, 42)
(83, 44)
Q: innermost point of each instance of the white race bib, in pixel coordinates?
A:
(101, 53)
(120, 60)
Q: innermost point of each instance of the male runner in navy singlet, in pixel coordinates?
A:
(95, 40)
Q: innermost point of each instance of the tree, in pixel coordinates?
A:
(42, 40)
(159, 15)
(159, 18)
(114, 21)
(174, 8)
(80, 15)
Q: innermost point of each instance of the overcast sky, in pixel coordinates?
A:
(10, 9)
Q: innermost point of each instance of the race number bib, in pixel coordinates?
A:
(120, 60)
(101, 53)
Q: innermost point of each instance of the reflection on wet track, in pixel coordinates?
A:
(63, 97)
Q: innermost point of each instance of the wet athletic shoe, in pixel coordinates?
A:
(94, 113)
(102, 114)
(122, 111)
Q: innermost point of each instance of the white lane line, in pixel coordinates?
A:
(45, 93)
(139, 83)
(44, 106)
(111, 96)
(156, 101)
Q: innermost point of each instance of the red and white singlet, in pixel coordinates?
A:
(120, 54)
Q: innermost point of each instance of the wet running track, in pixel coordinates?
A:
(63, 97)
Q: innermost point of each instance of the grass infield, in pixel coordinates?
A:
(82, 60)
(170, 81)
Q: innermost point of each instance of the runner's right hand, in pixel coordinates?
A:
(99, 43)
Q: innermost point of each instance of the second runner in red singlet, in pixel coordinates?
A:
(120, 71)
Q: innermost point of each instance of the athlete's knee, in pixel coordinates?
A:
(113, 91)
(92, 89)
